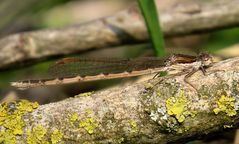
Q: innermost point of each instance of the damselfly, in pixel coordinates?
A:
(72, 70)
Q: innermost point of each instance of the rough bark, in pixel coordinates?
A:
(169, 111)
(124, 27)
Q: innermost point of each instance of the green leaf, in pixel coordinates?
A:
(149, 11)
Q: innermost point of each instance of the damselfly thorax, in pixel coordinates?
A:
(72, 70)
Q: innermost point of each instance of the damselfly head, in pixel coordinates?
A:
(206, 59)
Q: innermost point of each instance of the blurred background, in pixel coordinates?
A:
(29, 15)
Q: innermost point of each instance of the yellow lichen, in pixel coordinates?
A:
(227, 105)
(227, 126)
(7, 137)
(134, 126)
(15, 124)
(89, 124)
(176, 106)
(56, 136)
(37, 135)
(25, 105)
(3, 113)
(86, 94)
(73, 117)
(11, 118)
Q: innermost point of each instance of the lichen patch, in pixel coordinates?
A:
(7, 137)
(37, 135)
(11, 119)
(226, 105)
(86, 94)
(89, 124)
(177, 106)
(73, 118)
(56, 136)
(134, 126)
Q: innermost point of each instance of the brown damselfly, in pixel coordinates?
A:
(72, 70)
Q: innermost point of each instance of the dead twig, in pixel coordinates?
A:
(124, 27)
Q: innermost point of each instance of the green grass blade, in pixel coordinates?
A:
(149, 10)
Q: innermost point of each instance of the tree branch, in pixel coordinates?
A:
(144, 113)
(23, 15)
(124, 27)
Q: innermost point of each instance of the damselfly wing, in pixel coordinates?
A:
(71, 67)
(72, 70)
